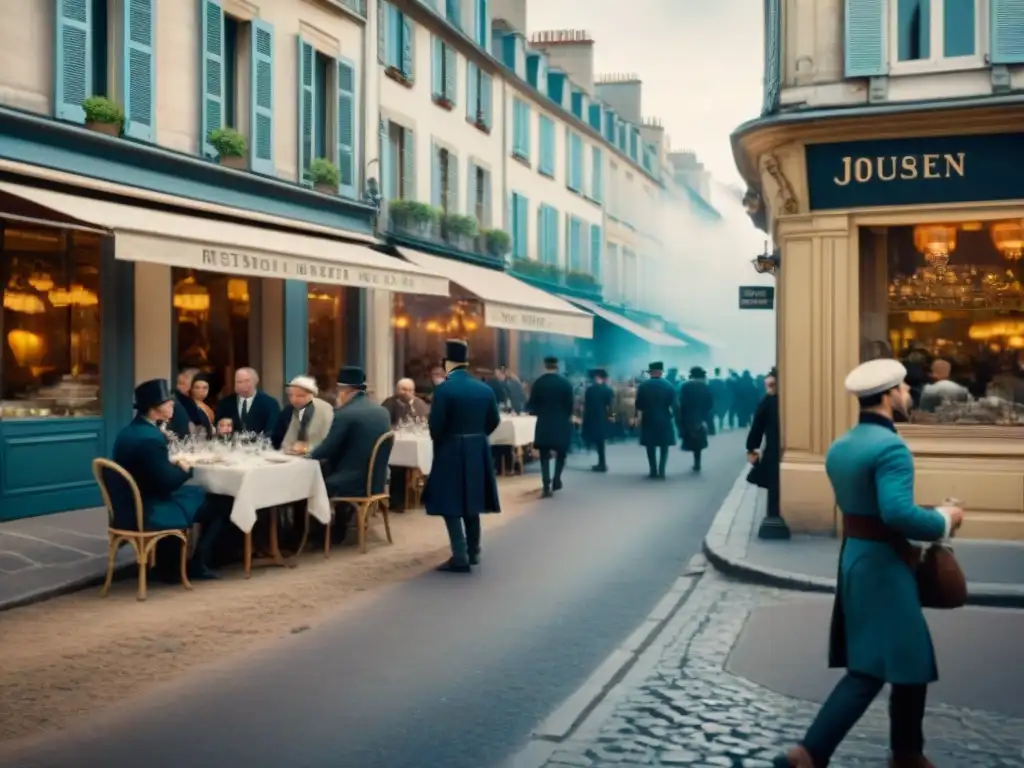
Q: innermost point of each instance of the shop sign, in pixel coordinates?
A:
(931, 170)
(757, 297)
(537, 321)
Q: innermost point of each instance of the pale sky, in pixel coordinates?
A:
(700, 61)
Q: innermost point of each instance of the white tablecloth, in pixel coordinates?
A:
(514, 430)
(413, 452)
(256, 483)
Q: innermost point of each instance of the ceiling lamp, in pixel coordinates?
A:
(1008, 238)
(41, 281)
(935, 242)
(23, 302)
(924, 316)
(400, 321)
(75, 296)
(238, 290)
(190, 297)
(28, 347)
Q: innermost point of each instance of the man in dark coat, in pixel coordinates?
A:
(598, 412)
(552, 401)
(720, 396)
(764, 430)
(462, 484)
(251, 409)
(656, 404)
(696, 405)
(186, 412)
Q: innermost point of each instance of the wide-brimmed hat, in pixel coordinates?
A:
(306, 383)
(698, 373)
(657, 366)
(151, 394)
(456, 351)
(352, 376)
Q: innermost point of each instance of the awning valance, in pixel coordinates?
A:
(642, 332)
(197, 242)
(508, 302)
(699, 336)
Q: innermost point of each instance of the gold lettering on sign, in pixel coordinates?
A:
(861, 170)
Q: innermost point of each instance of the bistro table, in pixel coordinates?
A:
(261, 481)
(413, 451)
(517, 432)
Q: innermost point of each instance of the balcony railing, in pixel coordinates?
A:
(415, 225)
(552, 278)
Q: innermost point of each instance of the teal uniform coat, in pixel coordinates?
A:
(878, 627)
(167, 503)
(598, 401)
(552, 401)
(656, 404)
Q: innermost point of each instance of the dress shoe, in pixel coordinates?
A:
(910, 761)
(546, 493)
(474, 559)
(453, 567)
(200, 572)
(797, 757)
(556, 485)
(599, 468)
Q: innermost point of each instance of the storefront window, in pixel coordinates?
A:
(216, 321)
(51, 323)
(948, 301)
(328, 339)
(422, 324)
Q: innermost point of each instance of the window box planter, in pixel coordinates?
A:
(444, 102)
(103, 115)
(398, 76)
(109, 129)
(237, 162)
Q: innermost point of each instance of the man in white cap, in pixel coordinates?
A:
(310, 419)
(879, 633)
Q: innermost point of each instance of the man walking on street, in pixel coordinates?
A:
(879, 633)
(551, 401)
(695, 409)
(597, 415)
(655, 404)
(462, 485)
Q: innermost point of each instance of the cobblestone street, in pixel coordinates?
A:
(680, 706)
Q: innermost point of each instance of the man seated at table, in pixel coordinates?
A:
(311, 417)
(437, 377)
(403, 406)
(167, 502)
(345, 453)
(251, 410)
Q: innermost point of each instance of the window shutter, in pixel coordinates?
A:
(212, 82)
(526, 130)
(522, 227)
(1007, 25)
(451, 65)
(407, 58)
(865, 38)
(568, 157)
(437, 67)
(382, 32)
(471, 191)
(435, 176)
(483, 20)
(307, 119)
(453, 13)
(347, 131)
(487, 213)
(139, 81)
(262, 101)
(541, 255)
(409, 166)
(472, 91)
(597, 177)
(595, 252)
(485, 98)
(384, 161)
(510, 219)
(73, 67)
(453, 182)
(772, 56)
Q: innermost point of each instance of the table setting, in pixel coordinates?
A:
(516, 430)
(413, 448)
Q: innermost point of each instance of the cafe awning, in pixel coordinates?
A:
(509, 303)
(699, 336)
(216, 245)
(642, 332)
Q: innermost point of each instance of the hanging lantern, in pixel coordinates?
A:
(924, 316)
(41, 281)
(23, 302)
(1008, 238)
(935, 242)
(28, 347)
(238, 290)
(190, 297)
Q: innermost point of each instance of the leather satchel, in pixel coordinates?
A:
(940, 579)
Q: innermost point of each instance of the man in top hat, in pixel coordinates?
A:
(879, 633)
(167, 502)
(655, 404)
(598, 414)
(551, 401)
(696, 405)
(462, 485)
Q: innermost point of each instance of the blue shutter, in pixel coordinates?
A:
(435, 176)
(541, 219)
(347, 131)
(384, 161)
(437, 67)
(73, 67)
(598, 178)
(865, 38)
(526, 130)
(393, 41)
(307, 116)
(262, 100)
(139, 81)
(472, 91)
(1007, 24)
(407, 58)
(212, 82)
(453, 182)
(510, 219)
(595, 252)
(568, 157)
(382, 32)
(488, 214)
(522, 227)
(772, 56)
(451, 64)
(471, 191)
(483, 23)
(409, 167)
(485, 98)
(453, 13)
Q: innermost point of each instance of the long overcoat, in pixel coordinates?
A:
(878, 627)
(552, 401)
(598, 402)
(346, 451)
(695, 404)
(462, 483)
(656, 404)
(764, 437)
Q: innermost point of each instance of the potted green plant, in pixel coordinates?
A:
(325, 176)
(456, 228)
(231, 147)
(497, 242)
(577, 279)
(412, 216)
(103, 115)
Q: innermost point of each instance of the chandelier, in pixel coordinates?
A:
(924, 316)
(935, 242)
(77, 295)
(238, 290)
(28, 347)
(960, 286)
(41, 281)
(1008, 238)
(18, 298)
(191, 297)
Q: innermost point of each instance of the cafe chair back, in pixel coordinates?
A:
(376, 497)
(123, 502)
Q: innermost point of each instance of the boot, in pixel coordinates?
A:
(909, 761)
(797, 757)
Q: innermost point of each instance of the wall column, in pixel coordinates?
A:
(294, 322)
(379, 340)
(154, 332)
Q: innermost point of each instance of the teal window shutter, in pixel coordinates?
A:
(555, 243)
(347, 128)
(1006, 21)
(595, 252)
(471, 191)
(409, 164)
(451, 59)
(526, 130)
(865, 38)
(522, 227)
(437, 67)
(472, 91)
(542, 255)
(73, 65)
(212, 82)
(772, 56)
(262, 100)
(568, 157)
(453, 183)
(487, 214)
(393, 42)
(597, 176)
(382, 32)
(435, 176)
(483, 24)
(387, 167)
(407, 57)
(307, 109)
(139, 81)
(485, 98)
(453, 13)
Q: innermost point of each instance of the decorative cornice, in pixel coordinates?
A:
(786, 203)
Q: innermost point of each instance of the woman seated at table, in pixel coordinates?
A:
(202, 420)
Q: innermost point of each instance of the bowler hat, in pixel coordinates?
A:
(598, 373)
(698, 373)
(352, 376)
(550, 361)
(152, 393)
(456, 352)
(658, 366)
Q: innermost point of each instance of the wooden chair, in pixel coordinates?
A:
(414, 484)
(376, 497)
(116, 483)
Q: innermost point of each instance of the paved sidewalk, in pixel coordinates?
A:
(994, 569)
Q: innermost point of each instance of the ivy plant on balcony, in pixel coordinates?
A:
(103, 115)
(231, 146)
(412, 216)
(577, 279)
(456, 228)
(497, 242)
(325, 176)
(529, 268)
